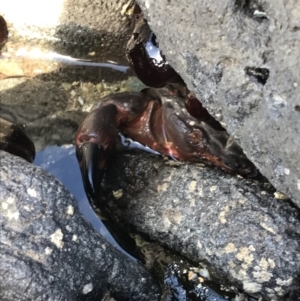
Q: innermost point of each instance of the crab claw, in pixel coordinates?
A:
(95, 139)
(91, 159)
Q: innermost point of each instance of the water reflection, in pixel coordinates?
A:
(61, 162)
(37, 54)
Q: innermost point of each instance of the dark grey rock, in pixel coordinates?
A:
(223, 50)
(241, 229)
(49, 252)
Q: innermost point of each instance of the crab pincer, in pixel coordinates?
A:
(98, 133)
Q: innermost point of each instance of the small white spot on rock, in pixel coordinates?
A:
(70, 210)
(56, 238)
(212, 188)
(251, 248)
(271, 263)
(147, 4)
(87, 288)
(244, 255)
(264, 263)
(4, 205)
(268, 228)
(192, 123)
(117, 193)
(262, 276)
(48, 251)
(162, 187)
(230, 248)
(74, 237)
(12, 215)
(287, 171)
(280, 196)
(222, 215)
(10, 200)
(32, 192)
(298, 185)
(251, 287)
(80, 100)
(27, 208)
(259, 14)
(192, 186)
(282, 282)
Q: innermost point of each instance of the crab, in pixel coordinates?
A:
(161, 120)
(165, 117)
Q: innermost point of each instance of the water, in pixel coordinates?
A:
(61, 162)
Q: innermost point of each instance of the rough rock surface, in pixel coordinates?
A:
(224, 50)
(243, 230)
(42, 108)
(49, 252)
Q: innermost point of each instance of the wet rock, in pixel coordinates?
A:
(241, 58)
(244, 231)
(25, 100)
(55, 130)
(14, 141)
(77, 28)
(48, 250)
(41, 108)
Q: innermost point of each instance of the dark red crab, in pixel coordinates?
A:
(160, 119)
(168, 119)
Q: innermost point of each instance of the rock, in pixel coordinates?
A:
(27, 100)
(77, 28)
(65, 35)
(241, 229)
(241, 58)
(49, 251)
(41, 108)
(14, 141)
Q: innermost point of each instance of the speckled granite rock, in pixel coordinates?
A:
(49, 252)
(224, 50)
(244, 231)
